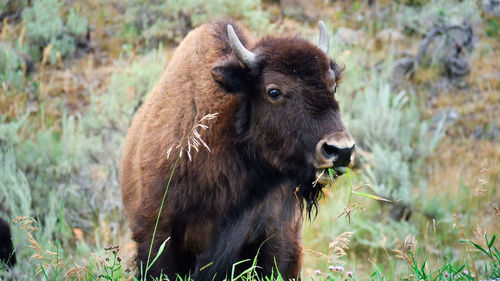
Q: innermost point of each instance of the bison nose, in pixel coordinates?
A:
(340, 156)
(336, 150)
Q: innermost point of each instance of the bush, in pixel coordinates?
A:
(47, 24)
(18, 198)
(396, 138)
(100, 134)
(75, 157)
(11, 68)
(160, 21)
(388, 127)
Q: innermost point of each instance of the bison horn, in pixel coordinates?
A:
(323, 43)
(245, 56)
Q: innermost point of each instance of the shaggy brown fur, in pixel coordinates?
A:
(225, 203)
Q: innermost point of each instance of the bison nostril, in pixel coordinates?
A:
(341, 157)
(330, 151)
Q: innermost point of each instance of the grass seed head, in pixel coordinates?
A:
(411, 243)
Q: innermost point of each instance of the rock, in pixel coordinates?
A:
(449, 116)
(456, 67)
(491, 7)
(403, 69)
(390, 35)
(478, 132)
(492, 133)
(404, 66)
(303, 9)
(12, 11)
(444, 119)
(450, 46)
(489, 132)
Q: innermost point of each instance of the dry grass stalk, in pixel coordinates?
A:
(462, 233)
(411, 243)
(408, 248)
(194, 139)
(28, 224)
(76, 273)
(349, 209)
(402, 255)
(47, 258)
(46, 54)
(482, 179)
(496, 209)
(100, 261)
(21, 37)
(315, 182)
(478, 235)
(338, 246)
(336, 249)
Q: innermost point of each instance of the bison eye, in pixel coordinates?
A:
(274, 93)
(335, 89)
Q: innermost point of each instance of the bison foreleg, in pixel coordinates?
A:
(216, 262)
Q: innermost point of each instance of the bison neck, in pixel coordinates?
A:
(226, 179)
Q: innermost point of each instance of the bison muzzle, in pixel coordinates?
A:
(243, 197)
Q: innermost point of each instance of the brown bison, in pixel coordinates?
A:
(277, 127)
(7, 256)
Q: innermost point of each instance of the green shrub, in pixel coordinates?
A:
(11, 68)
(47, 23)
(391, 128)
(492, 27)
(157, 21)
(77, 156)
(98, 137)
(18, 198)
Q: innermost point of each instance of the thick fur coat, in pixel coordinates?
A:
(244, 196)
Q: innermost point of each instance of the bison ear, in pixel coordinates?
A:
(230, 76)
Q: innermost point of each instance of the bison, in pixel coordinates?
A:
(7, 257)
(277, 128)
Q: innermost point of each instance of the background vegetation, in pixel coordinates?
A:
(421, 96)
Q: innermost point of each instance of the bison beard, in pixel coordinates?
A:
(245, 197)
(309, 191)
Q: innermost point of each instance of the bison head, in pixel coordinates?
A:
(288, 114)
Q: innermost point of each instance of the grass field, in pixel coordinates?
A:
(420, 95)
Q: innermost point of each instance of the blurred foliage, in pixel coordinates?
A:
(11, 68)
(103, 129)
(61, 159)
(19, 197)
(397, 142)
(155, 21)
(493, 27)
(49, 23)
(417, 3)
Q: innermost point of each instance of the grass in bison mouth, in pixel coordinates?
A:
(328, 175)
